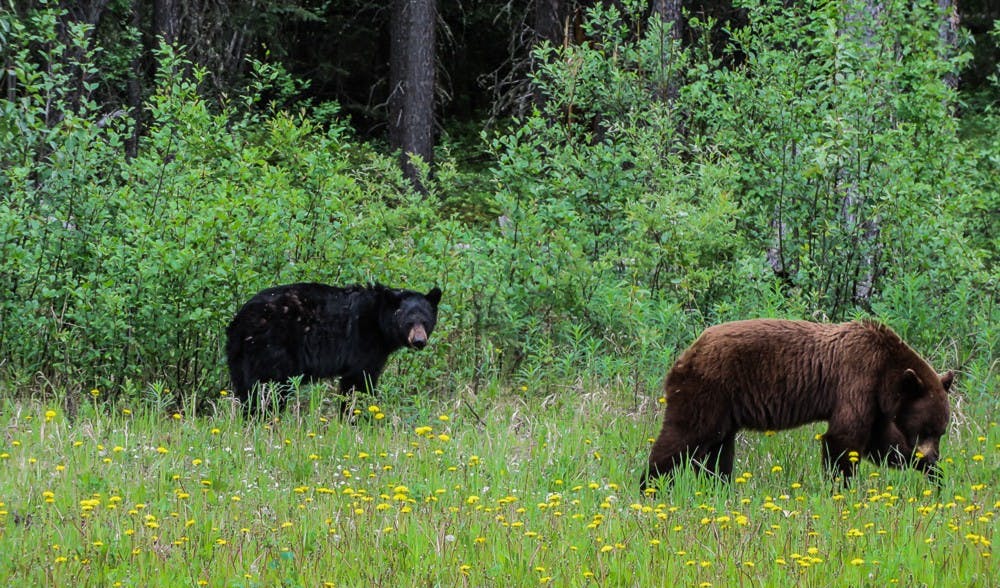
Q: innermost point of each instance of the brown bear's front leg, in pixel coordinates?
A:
(662, 464)
(841, 455)
(719, 459)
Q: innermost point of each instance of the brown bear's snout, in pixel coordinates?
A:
(926, 454)
(417, 338)
(926, 460)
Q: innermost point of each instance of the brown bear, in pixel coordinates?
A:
(880, 399)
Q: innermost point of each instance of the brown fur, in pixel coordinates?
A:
(880, 398)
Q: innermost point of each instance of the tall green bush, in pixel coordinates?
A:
(118, 269)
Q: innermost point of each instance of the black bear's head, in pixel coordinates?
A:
(411, 316)
(917, 413)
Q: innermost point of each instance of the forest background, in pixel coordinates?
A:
(598, 187)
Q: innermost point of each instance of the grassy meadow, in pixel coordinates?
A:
(508, 488)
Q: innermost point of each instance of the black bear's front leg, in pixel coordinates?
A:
(349, 386)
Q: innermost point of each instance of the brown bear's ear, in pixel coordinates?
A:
(911, 384)
(434, 296)
(946, 379)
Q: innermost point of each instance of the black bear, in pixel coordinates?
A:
(882, 401)
(320, 331)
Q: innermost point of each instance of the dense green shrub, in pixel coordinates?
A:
(128, 269)
(826, 156)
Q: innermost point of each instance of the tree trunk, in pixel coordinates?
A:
(411, 73)
(948, 33)
(166, 20)
(548, 26)
(669, 12)
(855, 208)
(134, 90)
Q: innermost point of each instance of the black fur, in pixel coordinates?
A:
(319, 331)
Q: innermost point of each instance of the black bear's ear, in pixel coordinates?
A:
(434, 296)
(946, 379)
(392, 298)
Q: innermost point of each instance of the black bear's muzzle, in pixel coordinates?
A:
(417, 337)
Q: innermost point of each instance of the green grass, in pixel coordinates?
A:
(507, 489)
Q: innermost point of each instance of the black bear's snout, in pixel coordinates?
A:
(417, 338)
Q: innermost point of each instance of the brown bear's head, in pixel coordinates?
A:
(916, 415)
